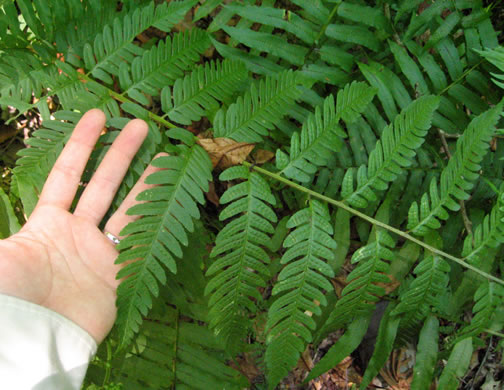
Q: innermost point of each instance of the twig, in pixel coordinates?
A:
(463, 210)
(487, 352)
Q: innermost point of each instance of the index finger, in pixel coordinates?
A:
(61, 185)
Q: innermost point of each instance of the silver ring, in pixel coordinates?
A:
(112, 238)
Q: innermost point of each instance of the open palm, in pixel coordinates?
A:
(61, 260)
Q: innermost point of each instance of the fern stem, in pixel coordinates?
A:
(372, 221)
(107, 364)
(494, 333)
(329, 19)
(123, 99)
(462, 76)
(322, 31)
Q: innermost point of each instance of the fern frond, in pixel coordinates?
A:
(427, 354)
(487, 298)
(11, 35)
(18, 78)
(204, 9)
(488, 234)
(362, 292)
(69, 24)
(36, 162)
(496, 57)
(277, 18)
(422, 22)
(393, 152)
(73, 93)
(366, 15)
(420, 296)
(175, 348)
(200, 92)
(302, 281)
(315, 10)
(259, 110)
(457, 365)
(114, 45)
(240, 267)
(355, 34)
(156, 238)
(320, 136)
(269, 43)
(178, 353)
(162, 65)
(458, 177)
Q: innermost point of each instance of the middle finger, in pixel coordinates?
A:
(100, 191)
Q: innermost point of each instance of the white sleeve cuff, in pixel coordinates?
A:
(40, 349)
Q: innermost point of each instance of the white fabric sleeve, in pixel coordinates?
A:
(40, 349)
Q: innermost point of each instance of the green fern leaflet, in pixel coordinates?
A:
(362, 292)
(301, 282)
(260, 109)
(320, 136)
(420, 296)
(458, 177)
(199, 93)
(240, 267)
(155, 239)
(393, 152)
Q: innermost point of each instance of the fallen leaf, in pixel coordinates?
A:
(225, 152)
(398, 371)
(262, 156)
(343, 376)
(391, 286)
(211, 195)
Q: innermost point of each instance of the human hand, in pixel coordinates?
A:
(62, 260)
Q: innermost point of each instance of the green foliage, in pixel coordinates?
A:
(302, 281)
(35, 163)
(426, 355)
(496, 57)
(199, 93)
(393, 151)
(363, 290)
(241, 267)
(320, 135)
(259, 109)
(488, 234)
(343, 347)
(420, 296)
(162, 65)
(457, 365)
(388, 108)
(8, 220)
(384, 345)
(457, 177)
(157, 237)
(487, 298)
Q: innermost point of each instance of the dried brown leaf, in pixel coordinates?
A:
(225, 152)
(262, 156)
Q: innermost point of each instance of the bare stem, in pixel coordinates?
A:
(372, 221)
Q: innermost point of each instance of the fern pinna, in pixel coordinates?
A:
(301, 282)
(241, 266)
(157, 237)
(375, 158)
